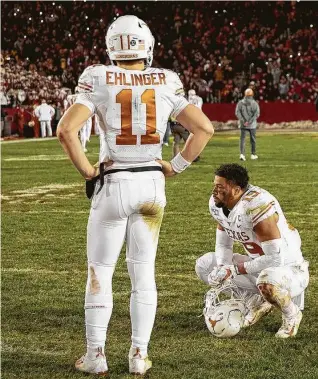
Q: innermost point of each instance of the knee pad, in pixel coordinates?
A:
(142, 276)
(144, 297)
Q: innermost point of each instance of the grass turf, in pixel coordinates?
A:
(44, 215)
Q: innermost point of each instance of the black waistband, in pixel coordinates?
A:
(134, 169)
(102, 172)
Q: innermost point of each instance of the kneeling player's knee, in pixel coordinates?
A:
(202, 267)
(199, 268)
(267, 290)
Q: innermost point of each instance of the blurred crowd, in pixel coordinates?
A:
(218, 48)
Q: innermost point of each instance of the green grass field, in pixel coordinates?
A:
(44, 215)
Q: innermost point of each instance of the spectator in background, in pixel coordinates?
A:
(36, 123)
(246, 45)
(57, 116)
(20, 118)
(283, 87)
(44, 113)
(247, 111)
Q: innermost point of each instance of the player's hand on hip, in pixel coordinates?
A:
(166, 168)
(96, 169)
(92, 173)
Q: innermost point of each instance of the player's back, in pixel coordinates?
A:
(133, 108)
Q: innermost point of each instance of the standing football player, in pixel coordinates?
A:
(133, 102)
(274, 266)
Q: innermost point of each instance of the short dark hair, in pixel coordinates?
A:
(233, 173)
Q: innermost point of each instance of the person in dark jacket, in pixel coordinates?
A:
(247, 111)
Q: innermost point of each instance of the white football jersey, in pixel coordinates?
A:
(133, 108)
(196, 100)
(254, 206)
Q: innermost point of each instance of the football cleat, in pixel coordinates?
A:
(290, 326)
(138, 365)
(254, 156)
(97, 366)
(256, 311)
(242, 157)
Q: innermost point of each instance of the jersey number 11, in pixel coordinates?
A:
(126, 137)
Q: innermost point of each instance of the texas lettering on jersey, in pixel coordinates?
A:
(255, 206)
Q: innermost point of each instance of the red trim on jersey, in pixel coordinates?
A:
(85, 86)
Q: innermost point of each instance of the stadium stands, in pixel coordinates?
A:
(216, 47)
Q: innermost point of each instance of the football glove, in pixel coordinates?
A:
(220, 274)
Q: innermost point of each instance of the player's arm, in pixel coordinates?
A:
(201, 129)
(268, 234)
(194, 120)
(67, 133)
(223, 247)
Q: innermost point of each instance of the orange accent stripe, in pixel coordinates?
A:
(128, 42)
(268, 206)
(121, 42)
(259, 215)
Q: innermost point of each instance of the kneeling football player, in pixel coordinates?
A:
(274, 272)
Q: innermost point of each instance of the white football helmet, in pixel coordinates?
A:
(129, 38)
(191, 92)
(224, 318)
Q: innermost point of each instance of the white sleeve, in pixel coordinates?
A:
(176, 94)
(223, 248)
(272, 257)
(86, 90)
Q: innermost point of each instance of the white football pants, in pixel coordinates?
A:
(46, 126)
(85, 132)
(294, 279)
(129, 207)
